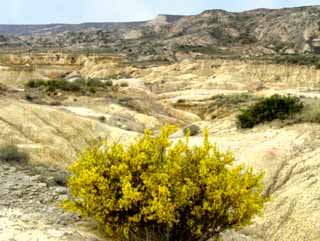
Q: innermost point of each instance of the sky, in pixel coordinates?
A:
(78, 11)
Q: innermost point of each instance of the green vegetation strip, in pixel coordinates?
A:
(74, 86)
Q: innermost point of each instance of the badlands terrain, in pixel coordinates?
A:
(163, 86)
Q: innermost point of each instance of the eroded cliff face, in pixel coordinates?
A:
(16, 69)
(213, 75)
(151, 97)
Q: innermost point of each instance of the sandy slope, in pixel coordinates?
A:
(54, 134)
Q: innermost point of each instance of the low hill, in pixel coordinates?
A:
(255, 32)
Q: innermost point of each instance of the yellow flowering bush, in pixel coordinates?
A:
(154, 190)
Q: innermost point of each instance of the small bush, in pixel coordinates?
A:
(181, 101)
(49, 174)
(124, 84)
(92, 90)
(269, 109)
(65, 85)
(109, 83)
(11, 153)
(36, 83)
(153, 190)
(102, 118)
(192, 130)
(28, 97)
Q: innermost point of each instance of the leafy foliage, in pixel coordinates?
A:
(153, 190)
(268, 109)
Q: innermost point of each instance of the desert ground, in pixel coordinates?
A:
(53, 127)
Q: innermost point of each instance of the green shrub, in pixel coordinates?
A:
(102, 119)
(109, 83)
(28, 97)
(268, 109)
(124, 84)
(36, 83)
(153, 190)
(11, 153)
(181, 101)
(65, 85)
(53, 85)
(92, 90)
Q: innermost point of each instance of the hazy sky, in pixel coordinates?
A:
(76, 11)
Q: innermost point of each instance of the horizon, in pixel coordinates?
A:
(124, 11)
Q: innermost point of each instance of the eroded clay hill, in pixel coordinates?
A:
(54, 127)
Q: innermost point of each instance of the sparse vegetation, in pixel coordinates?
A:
(28, 97)
(154, 190)
(124, 84)
(269, 109)
(3, 88)
(90, 85)
(232, 100)
(309, 114)
(219, 33)
(222, 105)
(11, 153)
(298, 59)
(247, 38)
(102, 119)
(50, 175)
(119, 76)
(181, 101)
(202, 49)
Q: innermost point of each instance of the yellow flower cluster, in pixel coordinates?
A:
(176, 191)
